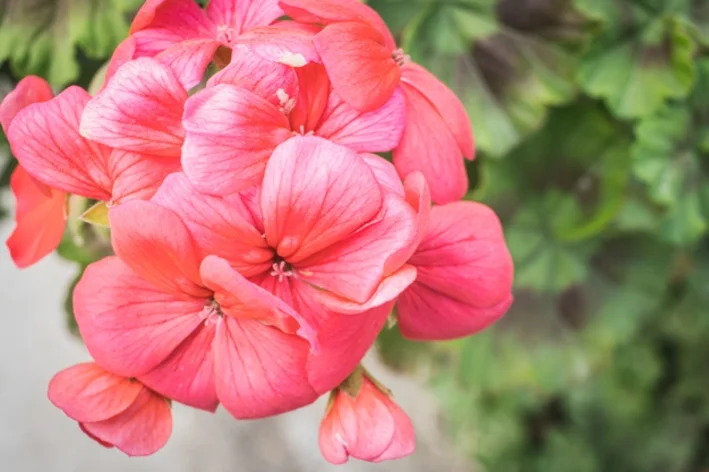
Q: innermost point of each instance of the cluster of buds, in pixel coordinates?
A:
(259, 242)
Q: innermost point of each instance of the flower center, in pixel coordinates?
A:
(211, 313)
(281, 269)
(400, 58)
(226, 34)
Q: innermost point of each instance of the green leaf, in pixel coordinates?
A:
(641, 58)
(40, 36)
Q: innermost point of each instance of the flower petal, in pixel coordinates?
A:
(189, 60)
(138, 176)
(230, 134)
(315, 193)
(361, 68)
(285, 42)
(243, 15)
(385, 173)
(379, 130)
(139, 110)
(31, 89)
(129, 325)
(45, 139)
(313, 95)
(260, 370)
(429, 147)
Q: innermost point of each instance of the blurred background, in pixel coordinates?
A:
(592, 125)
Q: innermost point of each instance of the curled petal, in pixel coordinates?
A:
(313, 97)
(31, 89)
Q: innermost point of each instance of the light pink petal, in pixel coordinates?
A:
(139, 110)
(128, 325)
(155, 243)
(260, 370)
(187, 375)
(428, 315)
(375, 131)
(403, 441)
(189, 60)
(219, 225)
(315, 193)
(270, 80)
(40, 216)
(385, 172)
(138, 176)
(87, 392)
(230, 134)
(241, 299)
(313, 96)
(242, 15)
(336, 11)
(31, 89)
(283, 42)
(160, 24)
(448, 105)
(361, 68)
(141, 430)
(354, 267)
(45, 139)
(429, 147)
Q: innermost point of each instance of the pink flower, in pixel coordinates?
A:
(362, 421)
(365, 68)
(320, 233)
(113, 410)
(40, 214)
(194, 330)
(464, 276)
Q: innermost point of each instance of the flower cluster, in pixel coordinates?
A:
(260, 244)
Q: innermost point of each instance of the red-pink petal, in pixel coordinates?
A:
(243, 15)
(189, 60)
(448, 105)
(155, 243)
(428, 146)
(40, 216)
(230, 134)
(315, 193)
(141, 430)
(129, 325)
(260, 370)
(385, 173)
(270, 80)
(31, 89)
(139, 110)
(379, 130)
(45, 139)
(313, 95)
(361, 68)
(87, 392)
(138, 176)
(123, 53)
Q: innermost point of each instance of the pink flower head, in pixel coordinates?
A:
(247, 109)
(192, 329)
(362, 421)
(113, 410)
(464, 276)
(365, 68)
(40, 214)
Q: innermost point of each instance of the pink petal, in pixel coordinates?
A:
(239, 298)
(219, 225)
(230, 134)
(123, 53)
(283, 42)
(187, 375)
(375, 131)
(361, 68)
(31, 89)
(336, 11)
(45, 139)
(155, 243)
(429, 147)
(260, 370)
(272, 81)
(138, 176)
(87, 392)
(354, 267)
(448, 105)
(140, 110)
(315, 193)
(313, 96)
(129, 325)
(40, 216)
(385, 173)
(189, 60)
(141, 430)
(243, 15)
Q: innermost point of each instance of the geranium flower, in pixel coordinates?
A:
(113, 410)
(40, 212)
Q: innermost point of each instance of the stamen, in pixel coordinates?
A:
(211, 313)
(281, 271)
(400, 58)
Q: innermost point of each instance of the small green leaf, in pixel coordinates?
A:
(97, 215)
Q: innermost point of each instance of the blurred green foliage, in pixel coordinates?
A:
(592, 127)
